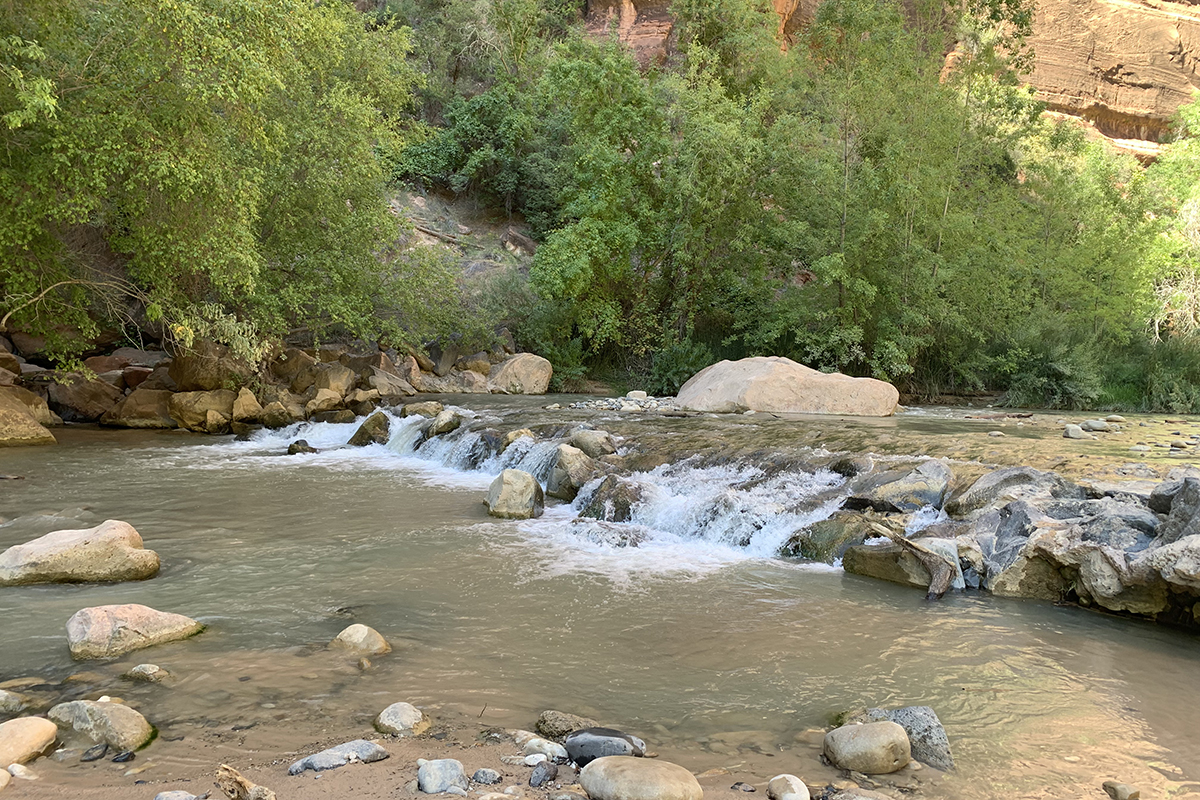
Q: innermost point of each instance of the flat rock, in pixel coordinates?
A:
(588, 744)
(594, 443)
(440, 775)
(107, 631)
(147, 673)
(340, 756)
(627, 778)
(776, 384)
(114, 724)
(25, 738)
(111, 551)
(876, 748)
(402, 718)
(362, 640)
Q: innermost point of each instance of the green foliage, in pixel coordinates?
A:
(672, 366)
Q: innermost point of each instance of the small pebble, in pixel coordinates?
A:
(94, 753)
(741, 786)
(543, 773)
(487, 776)
(22, 772)
(121, 758)
(535, 759)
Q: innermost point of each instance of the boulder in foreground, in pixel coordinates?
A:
(876, 748)
(107, 631)
(515, 494)
(116, 725)
(25, 738)
(111, 551)
(629, 778)
(773, 383)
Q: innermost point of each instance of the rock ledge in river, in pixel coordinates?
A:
(111, 551)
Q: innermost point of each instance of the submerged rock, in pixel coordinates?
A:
(515, 495)
(876, 748)
(782, 385)
(107, 631)
(440, 775)
(148, 673)
(613, 500)
(25, 738)
(114, 724)
(374, 430)
(300, 446)
(361, 640)
(828, 540)
(111, 551)
(340, 756)
(627, 778)
(588, 744)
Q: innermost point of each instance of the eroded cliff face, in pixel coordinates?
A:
(1122, 66)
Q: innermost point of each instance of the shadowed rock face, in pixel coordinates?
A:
(1124, 67)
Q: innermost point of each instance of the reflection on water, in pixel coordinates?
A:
(699, 640)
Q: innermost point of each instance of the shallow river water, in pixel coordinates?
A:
(700, 641)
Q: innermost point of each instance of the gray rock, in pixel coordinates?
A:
(787, 787)
(876, 748)
(149, 673)
(1074, 432)
(402, 718)
(176, 794)
(1095, 425)
(486, 776)
(904, 491)
(1184, 519)
(926, 736)
(586, 745)
(437, 776)
(543, 773)
(340, 756)
(1013, 483)
(1163, 495)
(111, 723)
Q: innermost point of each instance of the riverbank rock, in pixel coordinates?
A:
(515, 495)
(886, 562)
(107, 631)
(787, 787)
(25, 738)
(402, 718)
(357, 750)
(111, 551)
(426, 408)
(246, 407)
(78, 400)
(35, 404)
(926, 736)
(203, 411)
(524, 373)
(361, 640)
(207, 366)
(628, 778)
(1013, 483)
(440, 775)
(875, 748)
(374, 430)
(142, 408)
(588, 744)
(781, 385)
(572, 469)
(391, 388)
(18, 427)
(323, 400)
(114, 724)
(557, 724)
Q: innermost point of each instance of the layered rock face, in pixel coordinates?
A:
(1124, 67)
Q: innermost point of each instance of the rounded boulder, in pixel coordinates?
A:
(108, 631)
(628, 778)
(116, 725)
(25, 738)
(361, 640)
(876, 748)
(515, 494)
(402, 718)
(111, 551)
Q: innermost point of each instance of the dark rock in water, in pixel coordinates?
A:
(95, 753)
(244, 430)
(543, 773)
(339, 416)
(586, 745)
(851, 466)
(827, 540)
(487, 776)
(904, 491)
(300, 446)
(613, 500)
(557, 725)
(926, 736)
(374, 430)
(611, 534)
(121, 758)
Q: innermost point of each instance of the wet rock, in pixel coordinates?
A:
(613, 500)
(543, 774)
(94, 753)
(888, 562)
(11, 702)
(515, 495)
(626, 778)
(1121, 791)
(124, 757)
(246, 407)
(18, 427)
(300, 446)
(594, 443)
(588, 744)
(275, 416)
(924, 486)
(557, 724)
(339, 756)
(876, 748)
(207, 366)
(25, 738)
(111, 551)
(195, 410)
(787, 787)
(427, 408)
(142, 408)
(926, 736)
(147, 673)
(323, 400)
(781, 385)
(545, 747)
(361, 640)
(446, 421)
(402, 718)
(339, 416)
(235, 787)
(524, 373)
(439, 775)
(571, 471)
(107, 631)
(828, 540)
(114, 724)
(486, 776)
(512, 436)
(1013, 483)
(78, 400)
(374, 430)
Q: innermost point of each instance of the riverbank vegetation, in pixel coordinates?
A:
(855, 200)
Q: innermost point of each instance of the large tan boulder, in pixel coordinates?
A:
(456, 381)
(524, 373)
(246, 407)
(78, 400)
(876, 748)
(35, 403)
(572, 469)
(107, 631)
(191, 409)
(325, 400)
(141, 408)
(114, 724)
(111, 551)
(207, 366)
(25, 738)
(630, 778)
(515, 494)
(336, 377)
(17, 424)
(773, 383)
(390, 387)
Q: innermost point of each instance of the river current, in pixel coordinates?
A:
(700, 640)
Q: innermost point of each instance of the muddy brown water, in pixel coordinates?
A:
(718, 655)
